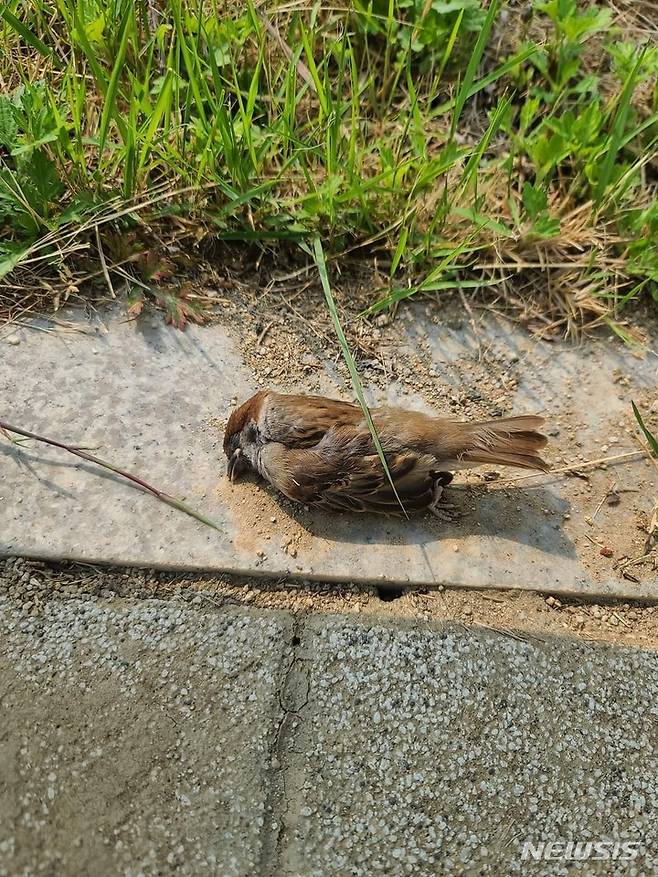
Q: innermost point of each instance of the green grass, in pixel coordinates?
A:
(403, 128)
(650, 437)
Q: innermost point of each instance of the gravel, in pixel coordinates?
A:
(136, 736)
(441, 752)
(181, 733)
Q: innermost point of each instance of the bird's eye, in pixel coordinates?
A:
(250, 432)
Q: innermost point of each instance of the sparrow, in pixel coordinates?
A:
(320, 452)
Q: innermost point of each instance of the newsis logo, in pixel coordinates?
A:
(570, 850)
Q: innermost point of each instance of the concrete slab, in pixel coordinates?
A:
(136, 737)
(155, 400)
(442, 751)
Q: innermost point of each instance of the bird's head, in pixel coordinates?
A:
(242, 439)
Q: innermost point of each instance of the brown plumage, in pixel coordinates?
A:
(320, 452)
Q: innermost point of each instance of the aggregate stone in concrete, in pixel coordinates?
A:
(135, 739)
(440, 752)
(155, 401)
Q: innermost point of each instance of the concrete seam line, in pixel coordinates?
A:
(293, 699)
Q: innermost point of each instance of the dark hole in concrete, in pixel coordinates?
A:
(388, 593)
(296, 640)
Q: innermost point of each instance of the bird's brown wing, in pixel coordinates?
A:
(366, 488)
(303, 421)
(336, 476)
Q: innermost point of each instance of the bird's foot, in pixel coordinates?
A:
(444, 511)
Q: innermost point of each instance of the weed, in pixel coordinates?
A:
(393, 125)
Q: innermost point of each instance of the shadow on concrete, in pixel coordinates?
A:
(29, 459)
(529, 517)
(521, 516)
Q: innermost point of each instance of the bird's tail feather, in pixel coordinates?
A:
(510, 441)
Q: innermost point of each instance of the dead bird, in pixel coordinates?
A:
(320, 452)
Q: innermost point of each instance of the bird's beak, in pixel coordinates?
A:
(236, 465)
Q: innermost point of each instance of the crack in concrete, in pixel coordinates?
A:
(293, 698)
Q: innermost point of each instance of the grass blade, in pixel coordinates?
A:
(473, 163)
(110, 108)
(30, 38)
(317, 82)
(318, 253)
(80, 36)
(161, 111)
(433, 280)
(399, 250)
(500, 71)
(77, 451)
(619, 126)
(450, 45)
(189, 59)
(432, 286)
(650, 437)
(473, 64)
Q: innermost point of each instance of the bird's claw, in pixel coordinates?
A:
(444, 511)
